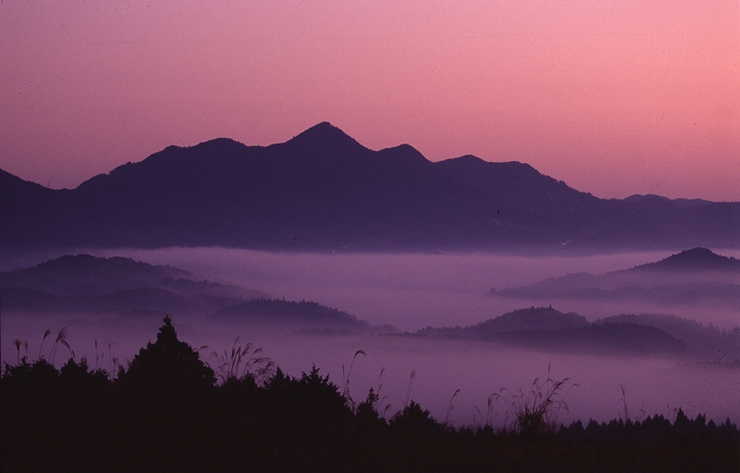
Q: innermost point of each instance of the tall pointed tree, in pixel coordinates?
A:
(167, 368)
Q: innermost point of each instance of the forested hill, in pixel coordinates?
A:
(548, 329)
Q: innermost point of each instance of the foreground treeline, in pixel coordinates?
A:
(168, 411)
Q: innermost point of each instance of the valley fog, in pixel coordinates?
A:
(412, 291)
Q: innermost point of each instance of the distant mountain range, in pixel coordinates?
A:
(691, 276)
(324, 191)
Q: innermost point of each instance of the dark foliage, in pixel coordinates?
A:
(167, 369)
(165, 412)
(49, 416)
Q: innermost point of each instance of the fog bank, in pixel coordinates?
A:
(411, 291)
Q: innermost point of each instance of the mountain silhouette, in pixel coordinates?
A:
(703, 341)
(691, 276)
(697, 259)
(322, 190)
(532, 318)
(85, 283)
(549, 329)
(304, 315)
(606, 338)
(95, 286)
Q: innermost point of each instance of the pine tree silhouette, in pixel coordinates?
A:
(168, 368)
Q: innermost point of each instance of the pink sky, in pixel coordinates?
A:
(613, 97)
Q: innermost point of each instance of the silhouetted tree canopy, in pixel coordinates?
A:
(167, 368)
(166, 413)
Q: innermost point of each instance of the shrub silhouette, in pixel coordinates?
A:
(79, 381)
(243, 361)
(415, 437)
(31, 380)
(51, 417)
(414, 418)
(367, 414)
(536, 412)
(308, 424)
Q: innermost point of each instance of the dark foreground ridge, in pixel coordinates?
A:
(323, 191)
(169, 411)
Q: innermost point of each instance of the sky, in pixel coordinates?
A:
(613, 97)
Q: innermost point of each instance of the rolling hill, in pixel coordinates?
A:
(545, 328)
(691, 276)
(85, 285)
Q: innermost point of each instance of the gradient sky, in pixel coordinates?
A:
(613, 97)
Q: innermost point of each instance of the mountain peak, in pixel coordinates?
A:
(696, 259)
(325, 137)
(533, 318)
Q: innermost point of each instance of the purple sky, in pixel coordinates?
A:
(614, 98)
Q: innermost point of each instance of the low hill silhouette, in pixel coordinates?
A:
(546, 328)
(322, 190)
(697, 259)
(122, 286)
(86, 274)
(608, 338)
(702, 341)
(303, 315)
(697, 276)
(86, 283)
